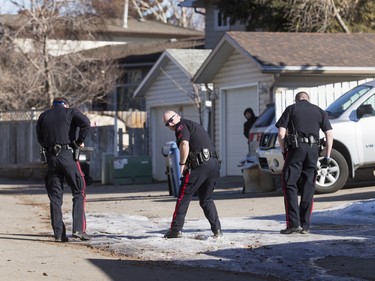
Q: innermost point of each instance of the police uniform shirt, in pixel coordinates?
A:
(59, 126)
(194, 134)
(307, 119)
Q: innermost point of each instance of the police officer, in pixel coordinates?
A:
(58, 130)
(299, 128)
(199, 168)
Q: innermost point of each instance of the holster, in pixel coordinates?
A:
(291, 141)
(76, 151)
(196, 158)
(43, 155)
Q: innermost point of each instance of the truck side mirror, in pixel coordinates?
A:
(364, 109)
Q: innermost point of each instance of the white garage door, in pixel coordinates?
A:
(159, 135)
(235, 144)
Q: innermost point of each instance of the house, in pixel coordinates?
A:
(252, 69)
(168, 86)
(216, 25)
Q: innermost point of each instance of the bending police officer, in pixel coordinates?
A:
(199, 168)
(299, 128)
(57, 133)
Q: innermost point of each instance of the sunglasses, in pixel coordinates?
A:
(169, 120)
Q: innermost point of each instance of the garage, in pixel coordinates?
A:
(234, 102)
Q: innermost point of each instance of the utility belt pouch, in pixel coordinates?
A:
(292, 141)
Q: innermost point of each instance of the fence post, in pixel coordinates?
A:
(31, 139)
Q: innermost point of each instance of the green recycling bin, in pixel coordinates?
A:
(132, 170)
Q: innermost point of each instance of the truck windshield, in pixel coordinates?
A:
(266, 118)
(336, 108)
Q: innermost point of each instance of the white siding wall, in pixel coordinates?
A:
(322, 91)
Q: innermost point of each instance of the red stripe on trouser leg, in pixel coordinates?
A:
(180, 197)
(84, 196)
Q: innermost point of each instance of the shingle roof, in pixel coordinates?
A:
(114, 26)
(138, 49)
(308, 49)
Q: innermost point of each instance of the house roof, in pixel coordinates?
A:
(186, 60)
(149, 28)
(276, 52)
(124, 51)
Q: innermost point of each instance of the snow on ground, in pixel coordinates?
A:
(249, 244)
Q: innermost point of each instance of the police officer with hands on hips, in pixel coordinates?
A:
(199, 166)
(57, 133)
(298, 135)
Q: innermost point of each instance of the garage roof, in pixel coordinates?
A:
(187, 60)
(276, 52)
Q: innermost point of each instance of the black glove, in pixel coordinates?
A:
(325, 162)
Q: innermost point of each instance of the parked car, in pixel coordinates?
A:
(352, 117)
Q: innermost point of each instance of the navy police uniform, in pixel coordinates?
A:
(306, 120)
(58, 126)
(200, 176)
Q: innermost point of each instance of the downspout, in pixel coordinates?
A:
(212, 98)
(276, 77)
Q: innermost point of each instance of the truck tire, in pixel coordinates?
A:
(332, 178)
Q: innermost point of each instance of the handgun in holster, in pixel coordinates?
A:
(43, 155)
(76, 151)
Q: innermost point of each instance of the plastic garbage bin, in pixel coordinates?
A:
(84, 160)
(172, 157)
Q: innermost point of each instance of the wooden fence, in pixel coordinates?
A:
(19, 145)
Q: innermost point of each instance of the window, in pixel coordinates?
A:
(221, 22)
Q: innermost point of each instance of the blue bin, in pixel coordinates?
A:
(172, 156)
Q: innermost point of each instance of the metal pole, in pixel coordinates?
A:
(115, 153)
(125, 18)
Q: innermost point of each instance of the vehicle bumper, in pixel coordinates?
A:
(270, 160)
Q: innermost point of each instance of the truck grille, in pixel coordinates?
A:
(263, 163)
(268, 141)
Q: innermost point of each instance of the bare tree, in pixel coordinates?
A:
(32, 77)
(167, 11)
(315, 15)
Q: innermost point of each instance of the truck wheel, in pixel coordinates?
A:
(332, 178)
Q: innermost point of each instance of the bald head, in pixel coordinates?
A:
(171, 118)
(302, 96)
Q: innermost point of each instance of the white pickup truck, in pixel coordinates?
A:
(352, 117)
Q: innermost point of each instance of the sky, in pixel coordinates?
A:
(248, 245)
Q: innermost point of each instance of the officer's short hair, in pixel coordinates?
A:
(60, 101)
(302, 96)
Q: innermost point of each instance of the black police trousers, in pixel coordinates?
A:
(299, 174)
(60, 167)
(201, 180)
